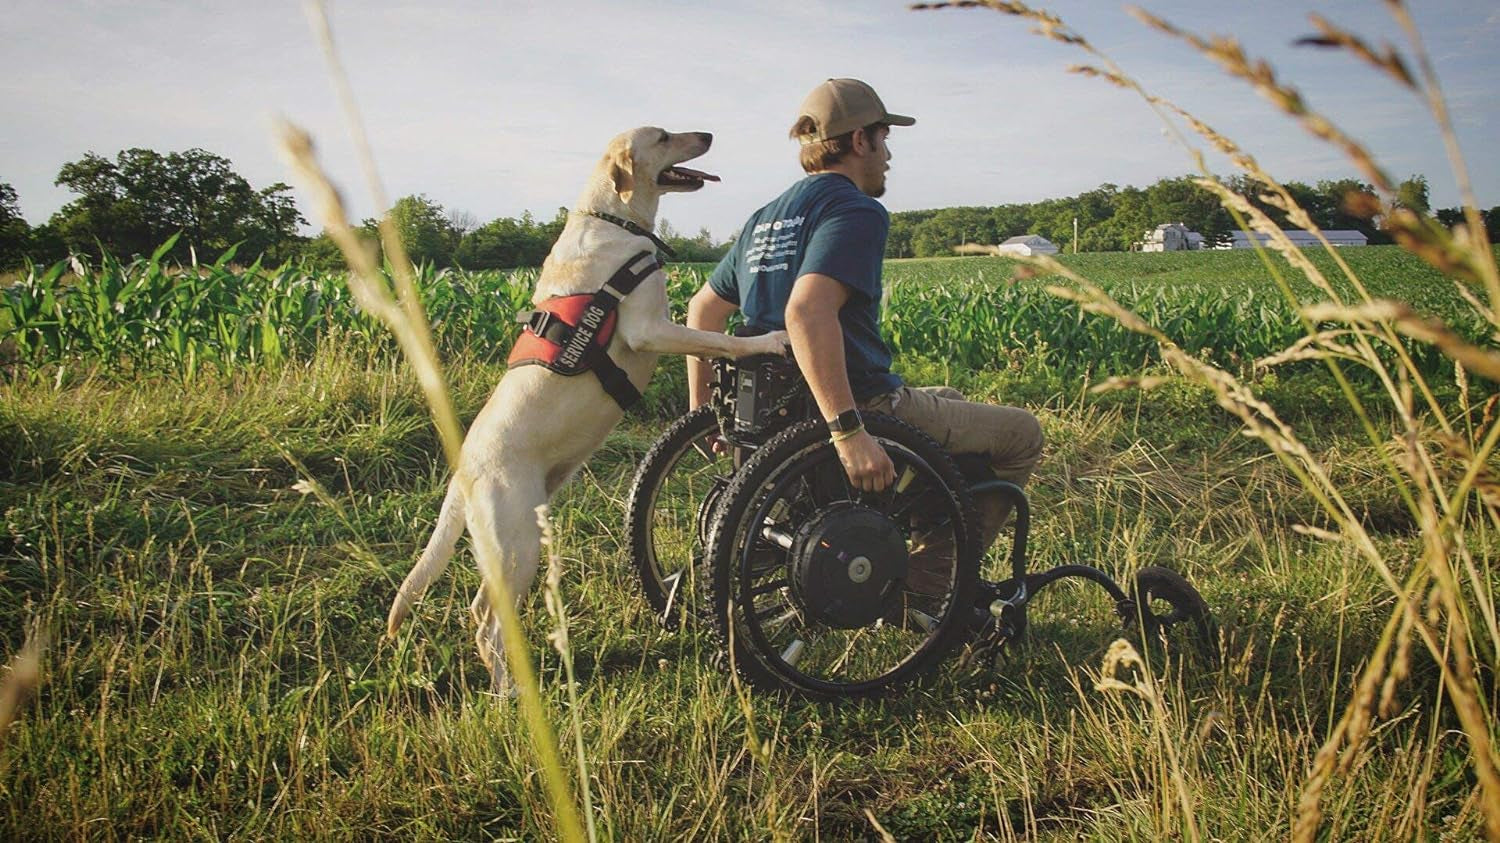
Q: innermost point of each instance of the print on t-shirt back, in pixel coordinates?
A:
(773, 242)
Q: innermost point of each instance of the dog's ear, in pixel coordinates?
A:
(621, 169)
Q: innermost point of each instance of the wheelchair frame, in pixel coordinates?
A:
(775, 542)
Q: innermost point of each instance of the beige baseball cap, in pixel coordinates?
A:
(843, 105)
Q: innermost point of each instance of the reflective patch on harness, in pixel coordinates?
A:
(571, 311)
(570, 334)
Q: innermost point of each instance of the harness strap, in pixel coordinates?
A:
(576, 350)
(615, 381)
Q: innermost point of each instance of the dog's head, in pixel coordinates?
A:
(645, 161)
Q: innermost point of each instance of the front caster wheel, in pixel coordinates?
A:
(1163, 599)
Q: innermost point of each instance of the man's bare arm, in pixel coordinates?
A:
(812, 321)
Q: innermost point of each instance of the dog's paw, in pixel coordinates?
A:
(502, 688)
(777, 342)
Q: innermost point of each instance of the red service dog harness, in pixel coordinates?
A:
(570, 334)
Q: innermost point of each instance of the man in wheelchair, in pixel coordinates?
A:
(846, 559)
(810, 262)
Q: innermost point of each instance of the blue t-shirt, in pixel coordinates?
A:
(822, 224)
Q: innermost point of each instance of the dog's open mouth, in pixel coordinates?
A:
(684, 177)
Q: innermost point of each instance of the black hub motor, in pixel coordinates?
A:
(847, 565)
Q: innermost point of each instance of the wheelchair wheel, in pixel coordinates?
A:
(1163, 599)
(666, 517)
(827, 591)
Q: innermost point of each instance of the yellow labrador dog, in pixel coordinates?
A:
(539, 426)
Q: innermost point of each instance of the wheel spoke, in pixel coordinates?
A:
(672, 582)
(917, 495)
(770, 627)
(768, 588)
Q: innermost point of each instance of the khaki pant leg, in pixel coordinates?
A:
(1009, 437)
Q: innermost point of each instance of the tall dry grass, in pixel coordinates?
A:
(1439, 457)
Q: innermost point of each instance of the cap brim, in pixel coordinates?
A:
(899, 120)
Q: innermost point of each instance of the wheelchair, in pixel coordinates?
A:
(824, 591)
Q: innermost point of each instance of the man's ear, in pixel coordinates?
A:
(621, 170)
(860, 141)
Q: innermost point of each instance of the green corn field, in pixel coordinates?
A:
(1223, 306)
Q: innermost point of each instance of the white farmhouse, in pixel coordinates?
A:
(1026, 244)
(1302, 239)
(1171, 237)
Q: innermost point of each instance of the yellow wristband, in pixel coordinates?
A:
(846, 434)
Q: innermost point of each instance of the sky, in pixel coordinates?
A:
(496, 108)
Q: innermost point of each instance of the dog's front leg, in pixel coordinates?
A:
(664, 337)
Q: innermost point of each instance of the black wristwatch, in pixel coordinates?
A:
(845, 422)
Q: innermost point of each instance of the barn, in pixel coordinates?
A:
(1302, 239)
(1027, 244)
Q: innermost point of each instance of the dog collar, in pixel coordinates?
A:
(636, 230)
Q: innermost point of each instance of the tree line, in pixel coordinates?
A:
(137, 201)
(443, 238)
(140, 199)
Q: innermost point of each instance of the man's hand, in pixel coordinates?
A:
(868, 465)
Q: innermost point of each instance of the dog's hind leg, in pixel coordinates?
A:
(505, 512)
(491, 645)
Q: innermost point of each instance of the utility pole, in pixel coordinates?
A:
(1075, 235)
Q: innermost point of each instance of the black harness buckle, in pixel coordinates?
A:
(545, 324)
(535, 320)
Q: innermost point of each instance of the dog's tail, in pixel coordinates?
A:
(450, 525)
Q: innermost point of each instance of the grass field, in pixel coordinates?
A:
(216, 666)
